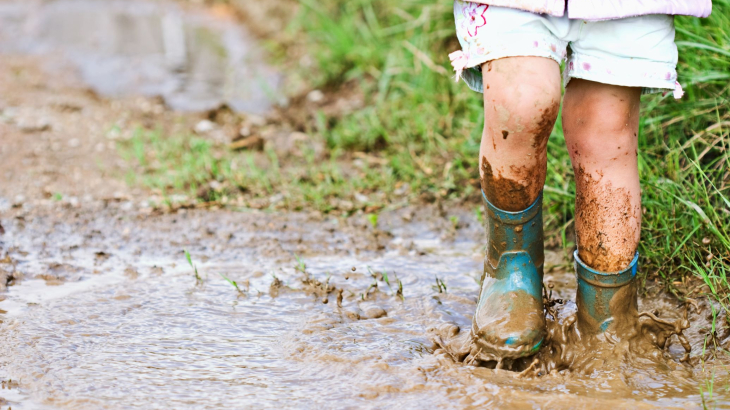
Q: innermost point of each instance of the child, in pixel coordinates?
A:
(512, 51)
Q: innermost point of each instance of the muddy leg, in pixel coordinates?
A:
(521, 104)
(600, 123)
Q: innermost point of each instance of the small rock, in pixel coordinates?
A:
(18, 201)
(345, 205)
(74, 143)
(375, 312)
(276, 198)
(352, 314)
(204, 127)
(360, 197)
(39, 125)
(315, 96)
(245, 131)
(255, 120)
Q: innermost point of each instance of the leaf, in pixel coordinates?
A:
(187, 256)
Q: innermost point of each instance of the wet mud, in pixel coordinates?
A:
(651, 354)
(606, 223)
(99, 308)
(314, 306)
(505, 193)
(545, 126)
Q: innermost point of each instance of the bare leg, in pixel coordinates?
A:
(600, 123)
(521, 104)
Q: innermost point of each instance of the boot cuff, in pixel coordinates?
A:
(605, 279)
(514, 218)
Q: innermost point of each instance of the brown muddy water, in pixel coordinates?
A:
(101, 310)
(104, 312)
(195, 60)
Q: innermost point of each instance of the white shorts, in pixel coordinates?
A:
(632, 52)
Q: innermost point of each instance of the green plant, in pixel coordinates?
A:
(373, 219)
(198, 279)
(235, 285)
(440, 286)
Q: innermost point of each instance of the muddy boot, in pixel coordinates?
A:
(509, 321)
(606, 301)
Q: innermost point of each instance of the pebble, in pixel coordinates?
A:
(245, 131)
(375, 312)
(39, 125)
(204, 127)
(345, 205)
(353, 315)
(315, 96)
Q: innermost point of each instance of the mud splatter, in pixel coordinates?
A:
(639, 346)
(629, 347)
(504, 193)
(544, 126)
(606, 223)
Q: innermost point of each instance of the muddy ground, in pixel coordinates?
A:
(102, 310)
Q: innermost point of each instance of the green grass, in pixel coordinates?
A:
(422, 130)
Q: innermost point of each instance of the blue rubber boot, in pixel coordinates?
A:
(605, 300)
(509, 321)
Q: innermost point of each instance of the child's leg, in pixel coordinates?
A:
(600, 122)
(521, 104)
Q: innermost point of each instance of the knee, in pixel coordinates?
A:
(524, 113)
(600, 122)
(609, 141)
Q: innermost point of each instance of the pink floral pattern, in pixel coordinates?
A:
(481, 42)
(474, 17)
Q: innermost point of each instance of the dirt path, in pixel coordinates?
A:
(54, 137)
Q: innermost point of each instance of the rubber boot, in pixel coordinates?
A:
(509, 321)
(605, 300)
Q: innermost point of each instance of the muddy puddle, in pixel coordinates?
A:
(100, 310)
(194, 59)
(104, 312)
